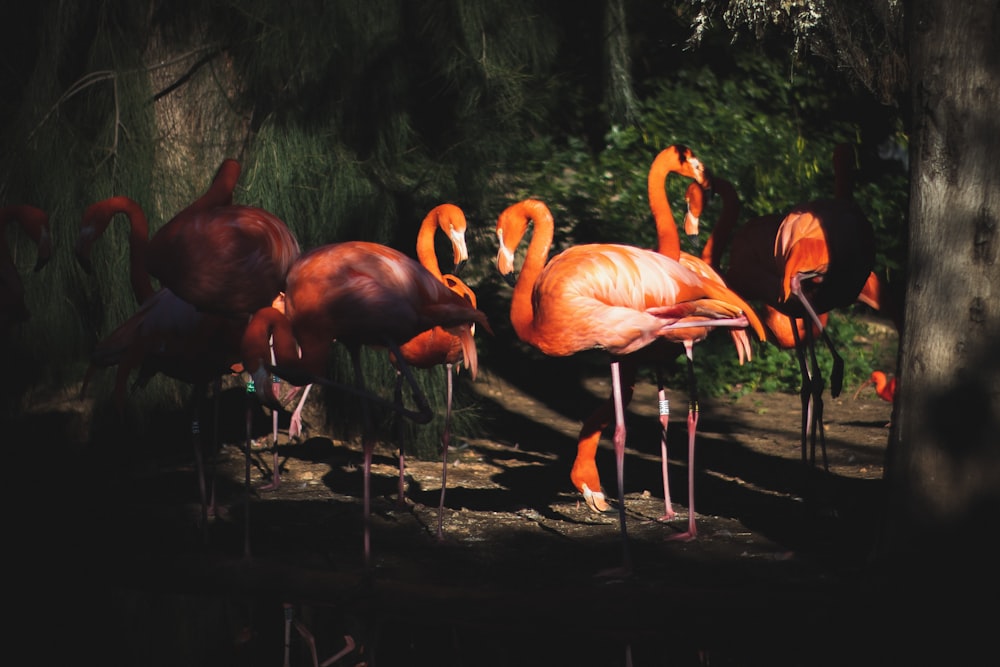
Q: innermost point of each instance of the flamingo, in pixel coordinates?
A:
(885, 386)
(752, 247)
(165, 335)
(613, 297)
(681, 160)
(359, 294)
(229, 260)
(821, 254)
(35, 223)
(437, 346)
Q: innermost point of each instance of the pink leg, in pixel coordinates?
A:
(619, 442)
(295, 425)
(664, 405)
(692, 427)
(445, 440)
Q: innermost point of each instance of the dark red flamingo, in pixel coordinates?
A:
(227, 260)
(230, 260)
(35, 223)
(165, 335)
(681, 160)
(438, 346)
(357, 293)
(608, 296)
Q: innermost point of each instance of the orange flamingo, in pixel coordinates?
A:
(357, 293)
(437, 346)
(608, 296)
(885, 386)
(673, 159)
(35, 223)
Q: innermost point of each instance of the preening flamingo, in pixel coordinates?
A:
(681, 160)
(437, 346)
(35, 223)
(752, 245)
(613, 297)
(357, 293)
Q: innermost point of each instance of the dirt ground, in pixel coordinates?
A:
(779, 573)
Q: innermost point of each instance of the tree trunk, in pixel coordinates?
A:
(623, 107)
(195, 91)
(943, 472)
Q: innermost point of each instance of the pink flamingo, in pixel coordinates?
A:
(437, 346)
(357, 293)
(613, 297)
(681, 160)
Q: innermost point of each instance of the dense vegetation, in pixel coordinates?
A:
(353, 121)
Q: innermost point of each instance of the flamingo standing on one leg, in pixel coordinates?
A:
(35, 222)
(437, 346)
(357, 293)
(681, 160)
(608, 296)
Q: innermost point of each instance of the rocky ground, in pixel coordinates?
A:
(522, 575)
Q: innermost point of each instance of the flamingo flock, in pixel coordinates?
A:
(224, 289)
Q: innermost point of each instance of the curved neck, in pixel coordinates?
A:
(680, 160)
(269, 329)
(426, 254)
(668, 242)
(514, 224)
(450, 219)
(95, 222)
(35, 223)
(722, 231)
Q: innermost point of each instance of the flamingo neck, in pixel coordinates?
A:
(426, 254)
(522, 310)
(668, 242)
(723, 230)
(99, 217)
(270, 331)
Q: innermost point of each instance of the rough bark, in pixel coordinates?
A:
(944, 469)
(197, 119)
(623, 107)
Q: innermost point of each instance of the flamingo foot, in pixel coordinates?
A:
(686, 536)
(596, 500)
(669, 516)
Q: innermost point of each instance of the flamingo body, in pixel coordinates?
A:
(357, 293)
(584, 474)
(437, 346)
(228, 259)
